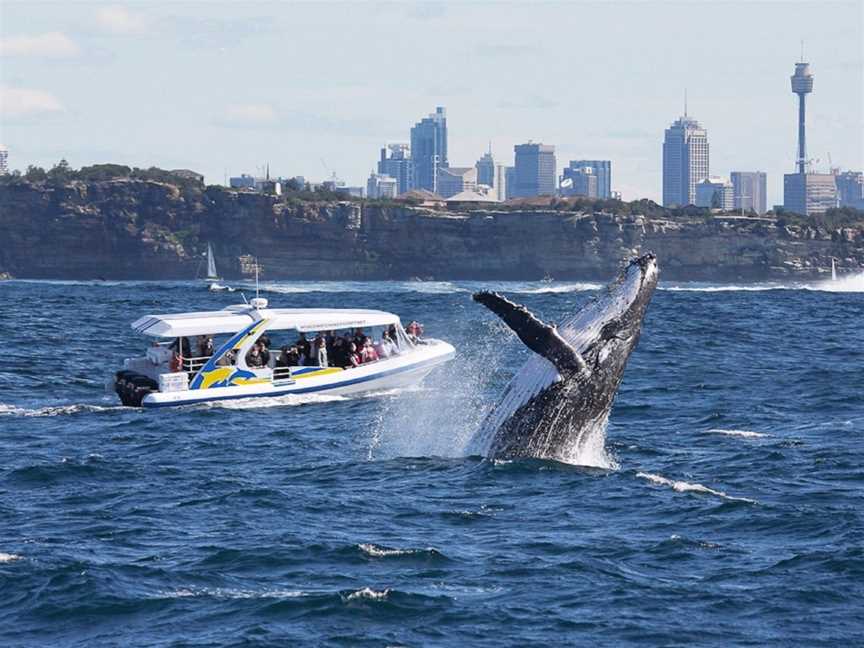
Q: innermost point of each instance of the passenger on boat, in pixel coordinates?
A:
(227, 360)
(386, 347)
(265, 354)
(354, 357)
(329, 340)
(254, 359)
(205, 346)
(368, 354)
(415, 332)
(360, 338)
(320, 353)
(289, 357)
(182, 347)
(305, 349)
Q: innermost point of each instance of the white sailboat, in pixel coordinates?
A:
(833, 270)
(213, 277)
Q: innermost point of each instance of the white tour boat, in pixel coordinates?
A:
(171, 373)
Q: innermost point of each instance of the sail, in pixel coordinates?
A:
(833, 271)
(211, 263)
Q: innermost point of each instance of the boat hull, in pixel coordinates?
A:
(395, 372)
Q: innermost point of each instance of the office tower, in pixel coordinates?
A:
(486, 170)
(243, 181)
(429, 149)
(716, 193)
(806, 193)
(454, 180)
(602, 170)
(850, 189)
(396, 162)
(536, 170)
(4, 160)
(510, 181)
(500, 185)
(685, 161)
(579, 181)
(749, 188)
(809, 193)
(382, 186)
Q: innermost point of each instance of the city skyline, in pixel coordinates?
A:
(75, 78)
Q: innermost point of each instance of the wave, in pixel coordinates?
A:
(57, 410)
(8, 558)
(367, 593)
(230, 593)
(737, 433)
(687, 487)
(379, 551)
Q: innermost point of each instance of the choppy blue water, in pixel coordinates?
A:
(730, 513)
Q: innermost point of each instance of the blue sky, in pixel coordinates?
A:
(319, 87)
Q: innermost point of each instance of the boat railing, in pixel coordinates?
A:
(193, 365)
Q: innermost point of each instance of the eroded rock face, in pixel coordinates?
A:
(144, 229)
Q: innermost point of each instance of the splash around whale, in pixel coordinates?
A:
(560, 399)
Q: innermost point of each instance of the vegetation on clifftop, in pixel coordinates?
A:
(293, 193)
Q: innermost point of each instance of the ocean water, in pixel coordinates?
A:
(725, 506)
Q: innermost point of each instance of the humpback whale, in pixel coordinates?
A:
(565, 391)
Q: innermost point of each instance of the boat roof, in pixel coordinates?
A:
(236, 318)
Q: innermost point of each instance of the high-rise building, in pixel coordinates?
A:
(850, 189)
(454, 180)
(715, 193)
(602, 170)
(500, 185)
(579, 181)
(685, 161)
(486, 170)
(243, 181)
(4, 160)
(509, 181)
(749, 188)
(809, 193)
(536, 170)
(381, 186)
(806, 193)
(429, 149)
(396, 162)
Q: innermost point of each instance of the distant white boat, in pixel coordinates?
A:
(213, 277)
(833, 270)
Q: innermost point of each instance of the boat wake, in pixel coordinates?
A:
(57, 410)
(851, 283)
(687, 487)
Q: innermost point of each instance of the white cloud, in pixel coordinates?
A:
(49, 45)
(252, 114)
(24, 102)
(119, 20)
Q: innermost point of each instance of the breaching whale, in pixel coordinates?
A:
(564, 393)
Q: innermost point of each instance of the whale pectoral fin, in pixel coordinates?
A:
(538, 336)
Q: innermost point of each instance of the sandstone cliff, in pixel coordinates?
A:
(142, 229)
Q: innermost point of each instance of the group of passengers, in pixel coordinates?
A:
(352, 349)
